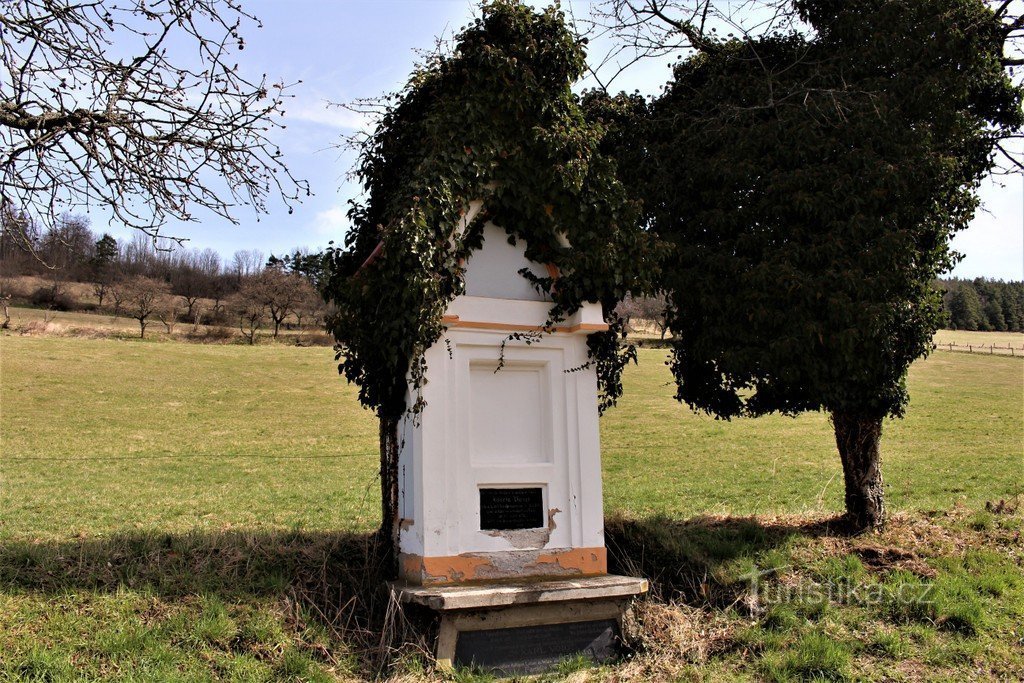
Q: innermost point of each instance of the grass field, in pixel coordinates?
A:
(171, 510)
(21, 316)
(964, 337)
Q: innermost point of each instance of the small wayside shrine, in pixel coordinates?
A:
(499, 478)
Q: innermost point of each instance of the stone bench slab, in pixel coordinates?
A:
(509, 593)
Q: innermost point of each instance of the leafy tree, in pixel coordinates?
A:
(310, 265)
(991, 293)
(983, 304)
(106, 252)
(809, 186)
(136, 106)
(1013, 300)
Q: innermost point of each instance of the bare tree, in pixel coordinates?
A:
(279, 292)
(167, 311)
(248, 305)
(68, 245)
(137, 107)
(197, 317)
(117, 294)
(101, 288)
(190, 284)
(309, 305)
(220, 287)
(651, 309)
(635, 30)
(5, 299)
(141, 297)
(246, 262)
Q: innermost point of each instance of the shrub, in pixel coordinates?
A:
(211, 334)
(53, 298)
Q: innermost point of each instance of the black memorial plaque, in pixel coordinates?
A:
(505, 509)
(536, 649)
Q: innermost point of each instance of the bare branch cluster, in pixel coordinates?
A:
(274, 294)
(136, 107)
(644, 29)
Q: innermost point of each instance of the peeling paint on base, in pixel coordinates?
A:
(528, 538)
(509, 564)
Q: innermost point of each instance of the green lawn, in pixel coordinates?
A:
(103, 435)
(199, 512)
(962, 441)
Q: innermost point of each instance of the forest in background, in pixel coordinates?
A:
(252, 289)
(146, 278)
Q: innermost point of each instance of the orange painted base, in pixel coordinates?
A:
(510, 564)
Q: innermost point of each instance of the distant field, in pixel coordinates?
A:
(20, 316)
(980, 342)
(81, 323)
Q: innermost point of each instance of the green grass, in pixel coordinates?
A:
(964, 337)
(169, 436)
(104, 435)
(962, 441)
(175, 511)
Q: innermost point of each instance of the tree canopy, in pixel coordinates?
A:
(809, 185)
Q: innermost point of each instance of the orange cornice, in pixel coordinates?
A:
(455, 321)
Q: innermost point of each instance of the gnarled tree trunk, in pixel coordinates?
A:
(389, 492)
(857, 437)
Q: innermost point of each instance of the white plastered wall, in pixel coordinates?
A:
(530, 423)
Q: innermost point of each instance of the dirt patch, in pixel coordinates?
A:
(882, 559)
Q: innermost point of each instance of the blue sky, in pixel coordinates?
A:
(345, 49)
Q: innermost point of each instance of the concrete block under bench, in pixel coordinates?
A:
(522, 627)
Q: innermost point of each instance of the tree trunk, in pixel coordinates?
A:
(858, 437)
(389, 492)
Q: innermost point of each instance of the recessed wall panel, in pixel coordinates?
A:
(507, 414)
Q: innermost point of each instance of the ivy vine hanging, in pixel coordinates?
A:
(494, 120)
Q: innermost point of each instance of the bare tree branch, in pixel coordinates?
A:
(135, 106)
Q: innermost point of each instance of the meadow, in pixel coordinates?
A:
(194, 511)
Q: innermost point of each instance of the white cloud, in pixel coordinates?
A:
(331, 223)
(318, 112)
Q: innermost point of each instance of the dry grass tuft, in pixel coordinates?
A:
(49, 328)
(669, 638)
